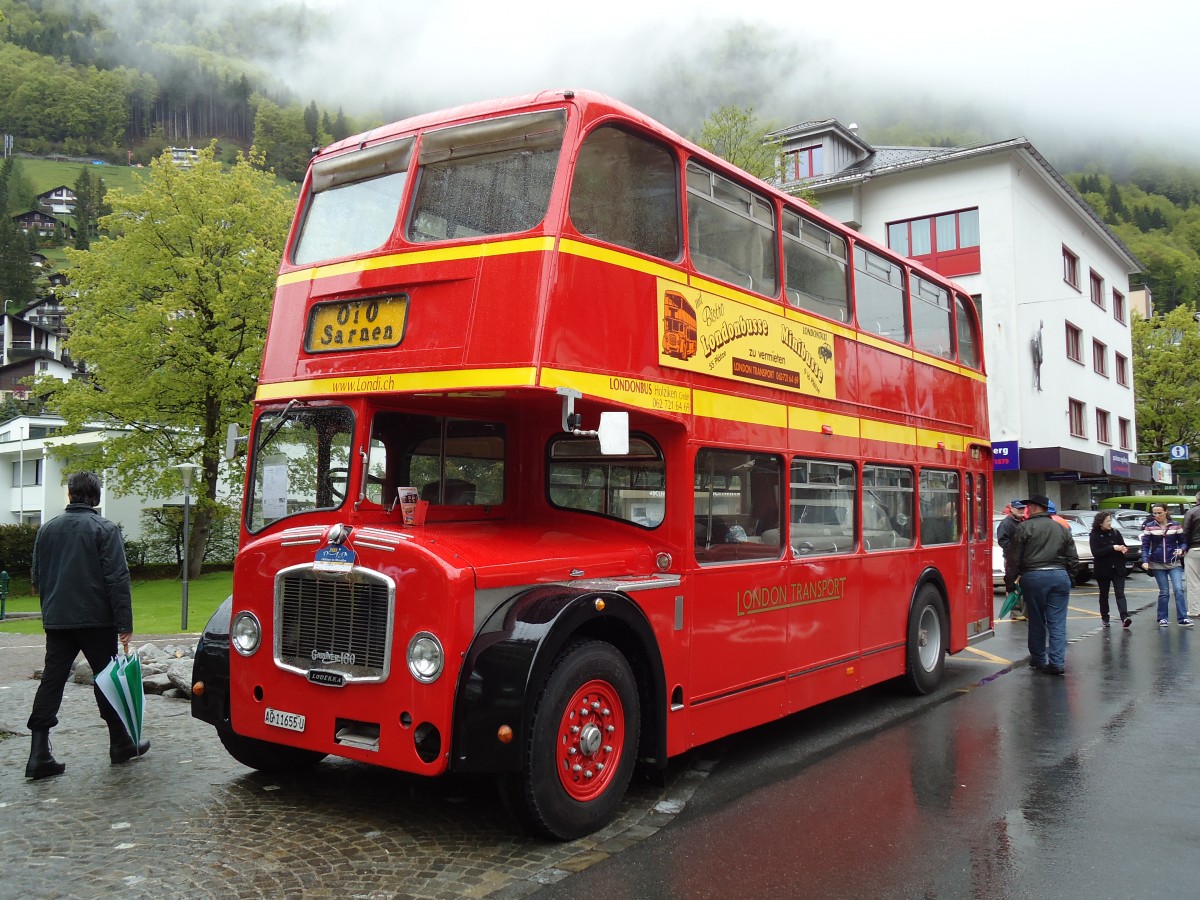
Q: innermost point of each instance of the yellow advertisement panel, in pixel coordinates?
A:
(714, 335)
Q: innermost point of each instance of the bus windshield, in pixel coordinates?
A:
(301, 462)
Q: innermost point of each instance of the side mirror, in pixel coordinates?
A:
(232, 440)
(614, 433)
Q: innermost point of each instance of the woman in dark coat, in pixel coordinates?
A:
(1108, 552)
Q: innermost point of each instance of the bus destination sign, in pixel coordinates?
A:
(356, 324)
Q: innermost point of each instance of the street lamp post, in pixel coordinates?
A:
(187, 471)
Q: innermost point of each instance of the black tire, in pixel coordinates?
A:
(265, 756)
(587, 710)
(925, 646)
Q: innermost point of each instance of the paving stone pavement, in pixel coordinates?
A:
(187, 820)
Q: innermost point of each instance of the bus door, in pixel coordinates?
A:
(980, 596)
(739, 593)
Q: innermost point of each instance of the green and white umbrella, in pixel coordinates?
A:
(121, 684)
(1010, 602)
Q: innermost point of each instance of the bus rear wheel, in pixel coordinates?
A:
(925, 646)
(580, 745)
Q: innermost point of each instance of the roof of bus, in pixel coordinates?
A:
(581, 98)
(593, 104)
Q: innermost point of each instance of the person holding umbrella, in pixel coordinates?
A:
(82, 579)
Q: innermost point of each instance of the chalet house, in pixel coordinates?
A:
(42, 223)
(59, 200)
(1050, 278)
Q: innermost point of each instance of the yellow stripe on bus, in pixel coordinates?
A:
(640, 393)
(387, 382)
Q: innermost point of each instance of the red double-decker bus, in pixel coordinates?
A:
(446, 565)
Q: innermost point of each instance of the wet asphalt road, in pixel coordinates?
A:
(1004, 783)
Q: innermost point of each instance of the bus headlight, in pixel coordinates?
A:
(245, 633)
(425, 657)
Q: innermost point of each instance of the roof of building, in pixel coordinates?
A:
(890, 160)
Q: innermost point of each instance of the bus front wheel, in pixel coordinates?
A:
(580, 745)
(265, 756)
(925, 657)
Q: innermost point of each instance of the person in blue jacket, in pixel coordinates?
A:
(1163, 544)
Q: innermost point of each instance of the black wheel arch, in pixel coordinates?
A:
(513, 653)
(211, 666)
(934, 576)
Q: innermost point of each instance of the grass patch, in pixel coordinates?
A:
(157, 605)
(45, 174)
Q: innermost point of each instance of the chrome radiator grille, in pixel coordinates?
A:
(339, 623)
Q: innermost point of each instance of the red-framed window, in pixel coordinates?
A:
(1102, 426)
(1074, 343)
(1096, 284)
(1070, 268)
(1126, 428)
(1100, 357)
(1119, 312)
(807, 162)
(1122, 367)
(1076, 411)
(946, 242)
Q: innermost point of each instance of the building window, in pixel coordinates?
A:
(1070, 268)
(1126, 433)
(1119, 306)
(1102, 426)
(1100, 358)
(1076, 411)
(1074, 343)
(947, 242)
(1122, 370)
(33, 473)
(808, 162)
(1097, 288)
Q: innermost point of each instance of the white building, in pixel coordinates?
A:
(1051, 280)
(32, 481)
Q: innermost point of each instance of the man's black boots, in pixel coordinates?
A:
(41, 763)
(121, 746)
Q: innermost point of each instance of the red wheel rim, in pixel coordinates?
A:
(591, 737)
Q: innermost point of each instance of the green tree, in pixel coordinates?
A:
(171, 311)
(1166, 379)
(733, 134)
(90, 192)
(280, 135)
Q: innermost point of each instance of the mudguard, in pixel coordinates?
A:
(212, 667)
(511, 658)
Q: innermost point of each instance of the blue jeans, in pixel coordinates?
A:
(1168, 580)
(1047, 592)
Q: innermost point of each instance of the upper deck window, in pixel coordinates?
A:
(731, 232)
(485, 178)
(815, 268)
(968, 334)
(355, 202)
(626, 192)
(932, 318)
(879, 295)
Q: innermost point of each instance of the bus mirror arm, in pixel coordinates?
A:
(232, 440)
(614, 426)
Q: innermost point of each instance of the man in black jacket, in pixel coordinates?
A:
(1042, 556)
(80, 574)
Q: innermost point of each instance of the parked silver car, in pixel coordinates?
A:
(1083, 548)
